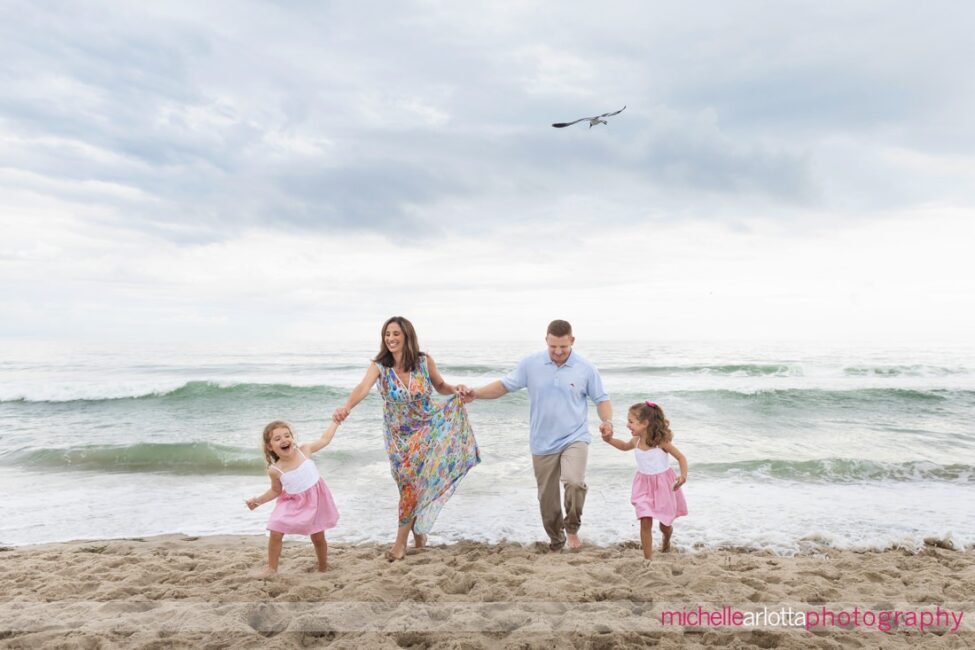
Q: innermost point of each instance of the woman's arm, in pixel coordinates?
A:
(325, 439)
(270, 495)
(358, 393)
(619, 444)
(439, 383)
(675, 452)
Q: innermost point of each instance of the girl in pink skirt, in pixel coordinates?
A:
(656, 492)
(305, 506)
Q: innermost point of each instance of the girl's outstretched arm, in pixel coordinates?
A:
(620, 444)
(358, 393)
(326, 438)
(270, 495)
(675, 452)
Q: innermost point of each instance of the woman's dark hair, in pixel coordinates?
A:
(411, 347)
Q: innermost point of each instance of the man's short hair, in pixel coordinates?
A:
(559, 328)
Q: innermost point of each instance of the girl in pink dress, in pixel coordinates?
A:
(656, 492)
(305, 506)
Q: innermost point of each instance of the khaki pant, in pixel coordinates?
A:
(569, 467)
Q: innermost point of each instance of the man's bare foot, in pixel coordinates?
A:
(573, 541)
(264, 574)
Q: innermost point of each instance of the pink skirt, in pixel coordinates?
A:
(305, 513)
(653, 496)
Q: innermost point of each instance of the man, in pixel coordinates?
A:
(558, 382)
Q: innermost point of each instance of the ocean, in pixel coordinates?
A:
(790, 446)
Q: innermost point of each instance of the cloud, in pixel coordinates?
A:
(280, 116)
(191, 168)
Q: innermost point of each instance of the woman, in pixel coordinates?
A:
(430, 443)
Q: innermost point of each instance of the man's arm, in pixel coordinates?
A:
(605, 411)
(493, 390)
(515, 380)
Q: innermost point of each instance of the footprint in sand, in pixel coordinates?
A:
(266, 620)
(458, 584)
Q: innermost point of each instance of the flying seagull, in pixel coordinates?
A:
(593, 121)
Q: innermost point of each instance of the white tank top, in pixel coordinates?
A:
(651, 461)
(300, 478)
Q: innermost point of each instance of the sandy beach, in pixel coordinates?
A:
(182, 591)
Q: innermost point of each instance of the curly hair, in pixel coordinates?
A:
(658, 429)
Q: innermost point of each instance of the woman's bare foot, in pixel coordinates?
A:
(264, 574)
(393, 556)
(419, 539)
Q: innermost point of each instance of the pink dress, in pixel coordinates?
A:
(653, 492)
(305, 505)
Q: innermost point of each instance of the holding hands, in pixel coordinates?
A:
(465, 393)
(340, 414)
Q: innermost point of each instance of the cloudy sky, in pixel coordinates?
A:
(287, 171)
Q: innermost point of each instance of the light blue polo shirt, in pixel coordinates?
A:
(559, 411)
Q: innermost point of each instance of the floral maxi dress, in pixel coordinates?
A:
(430, 444)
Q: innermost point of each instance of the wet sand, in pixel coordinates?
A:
(179, 591)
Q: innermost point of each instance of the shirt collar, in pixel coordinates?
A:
(568, 362)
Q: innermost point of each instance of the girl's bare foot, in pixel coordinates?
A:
(265, 574)
(665, 545)
(317, 569)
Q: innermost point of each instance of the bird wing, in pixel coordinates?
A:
(559, 125)
(611, 114)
